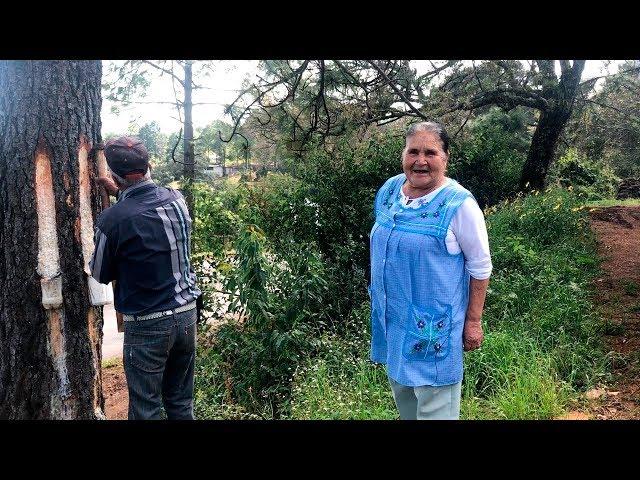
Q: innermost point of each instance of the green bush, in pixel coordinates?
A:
(327, 200)
(538, 220)
(595, 180)
(544, 259)
(282, 207)
(488, 159)
(216, 224)
(278, 305)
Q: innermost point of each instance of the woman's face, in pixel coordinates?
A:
(424, 161)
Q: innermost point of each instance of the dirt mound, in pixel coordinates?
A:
(612, 215)
(629, 188)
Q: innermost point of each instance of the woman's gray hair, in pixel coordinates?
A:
(124, 183)
(434, 127)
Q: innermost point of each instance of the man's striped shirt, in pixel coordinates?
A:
(142, 242)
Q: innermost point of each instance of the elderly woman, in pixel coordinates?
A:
(430, 267)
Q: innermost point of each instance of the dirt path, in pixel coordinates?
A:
(618, 298)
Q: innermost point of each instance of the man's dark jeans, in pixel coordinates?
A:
(159, 356)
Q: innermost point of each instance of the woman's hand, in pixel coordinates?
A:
(472, 336)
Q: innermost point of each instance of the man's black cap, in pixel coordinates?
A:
(126, 155)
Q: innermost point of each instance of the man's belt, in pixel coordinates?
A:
(165, 313)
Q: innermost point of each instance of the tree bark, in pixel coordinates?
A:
(224, 160)
(189, 157)
(542, 149)
(561, 98)
(50, 334)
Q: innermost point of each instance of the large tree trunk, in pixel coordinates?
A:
(542, 148)
(50, 334)
(560, 98)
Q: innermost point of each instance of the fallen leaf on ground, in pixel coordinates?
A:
(574, 416)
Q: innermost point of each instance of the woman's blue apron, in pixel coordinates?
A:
(419, 291)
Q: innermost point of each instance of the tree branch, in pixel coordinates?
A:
(604, 105)
(612, 75)
(463, 124)
(168, 72)
(503, 96)
(398, 92)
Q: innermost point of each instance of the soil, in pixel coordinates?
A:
(116, 397)
(617, 296)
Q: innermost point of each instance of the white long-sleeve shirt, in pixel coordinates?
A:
(467, 233)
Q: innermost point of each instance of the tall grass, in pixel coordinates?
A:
(331, 390)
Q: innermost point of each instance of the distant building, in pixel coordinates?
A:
(213, 170)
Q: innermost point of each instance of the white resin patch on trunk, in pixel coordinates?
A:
(51, 284)
(62, 406)
(94, 341)
(99, 294)
(86, 218)
(101, 161)
(48, 255)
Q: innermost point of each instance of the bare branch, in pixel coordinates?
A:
(295, 74)
(475, 73)
(175, 93)
(152, 102)
(168, 72)
(612, 75)
(398, 92)
(604, 105)
(173, 152)
(463, 124)
(437, 70)
(507, 97)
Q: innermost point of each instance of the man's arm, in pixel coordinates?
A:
(108, 184)
(103, 268)
(107, 187)
(101, 263)
(473, 335)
